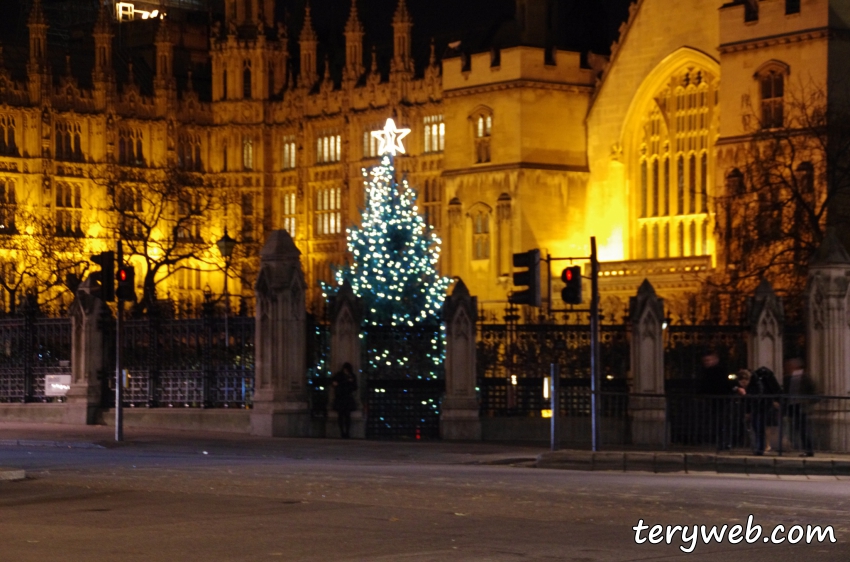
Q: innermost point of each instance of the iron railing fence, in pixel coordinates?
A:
(768, 424)
(759, 424)
(404, 373)
(686, 344)
(318, 367)
(185, 362)
(32, 347)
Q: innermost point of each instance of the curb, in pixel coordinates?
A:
(691, 463)
(40, 443)
(11, 474)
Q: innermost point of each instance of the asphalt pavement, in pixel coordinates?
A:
(186, 496)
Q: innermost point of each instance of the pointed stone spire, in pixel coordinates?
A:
(432, 58)
(353, 24)
(37, 34)
(68, 72)
(103, 34)
(307, 31)
(36, 14)
(307, 42)
(353, 46)
(104, 20)
(402, 24)
(327, 82)
(401, 14)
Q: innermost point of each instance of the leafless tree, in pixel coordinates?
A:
(790, 183)
(162, 216)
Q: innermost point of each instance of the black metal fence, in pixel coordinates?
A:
(780, 424)
(32, 347)
(195, 362)
(514, 359)
(405, 374)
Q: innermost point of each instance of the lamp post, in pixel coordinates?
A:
(225, 247)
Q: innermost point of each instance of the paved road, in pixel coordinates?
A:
(174, 497)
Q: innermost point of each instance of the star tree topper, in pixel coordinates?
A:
(390, 139)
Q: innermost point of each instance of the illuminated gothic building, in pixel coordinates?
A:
(515, 144)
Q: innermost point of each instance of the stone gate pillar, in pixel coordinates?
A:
(346, 315)
(280, 380)
(459, 414)
(828, 340)
(767, 322)
(647, 401)
(83, 398)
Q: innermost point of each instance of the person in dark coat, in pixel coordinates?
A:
(345, 385)
(799, 387)
(719, 389)
(761, 390)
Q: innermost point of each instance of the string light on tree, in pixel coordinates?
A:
(394, 255)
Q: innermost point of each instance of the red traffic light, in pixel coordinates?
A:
(568, 275)
(122, 274)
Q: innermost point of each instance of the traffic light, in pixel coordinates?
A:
(106, 276)
(571, 276)
(529, 278)
(126, 278)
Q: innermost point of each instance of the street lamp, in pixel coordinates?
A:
(225, 247)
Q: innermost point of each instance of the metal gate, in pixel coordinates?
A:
(405, 381)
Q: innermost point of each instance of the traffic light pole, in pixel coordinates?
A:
(594, 344)
(119, 386)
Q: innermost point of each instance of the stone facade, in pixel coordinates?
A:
(516, 148)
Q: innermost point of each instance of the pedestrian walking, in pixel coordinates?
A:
(761, 390)
(345, 385)
(799, 388)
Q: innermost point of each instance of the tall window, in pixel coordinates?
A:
(371, 143)
(130, 147)
(249, 225)
(224, 85)
(246, 80)
(328, 148)
(247, 153)
(435, 133)
(431, 202)
(8, 145)
(672, 168)
(481, 234)
(288, 155)
(328, 216)
(772, 83)
(128, 202)
(67, 141)
(287, 211)
(189, 152)
(482, 122)
(8, 206)
(68, 210)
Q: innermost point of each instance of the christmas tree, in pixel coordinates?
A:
(394, 252)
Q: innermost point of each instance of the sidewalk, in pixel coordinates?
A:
(430, 452)
(721, 463)
(233, 444)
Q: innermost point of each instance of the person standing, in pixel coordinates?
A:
(798, 386)
(761, 390)
(345, 385)
(719, 390)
